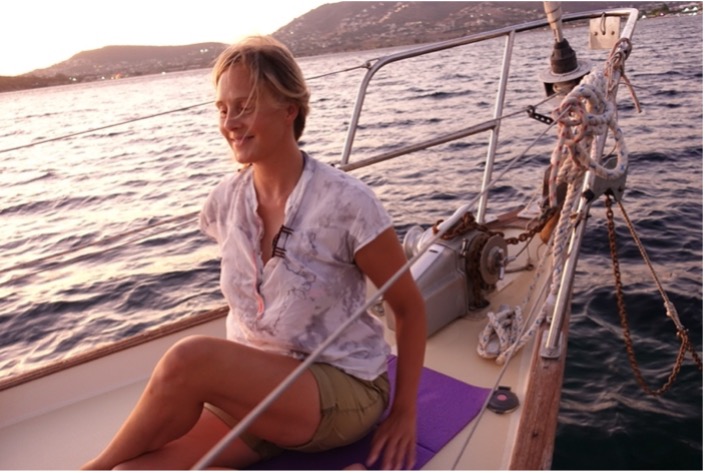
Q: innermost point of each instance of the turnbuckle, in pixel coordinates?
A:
(531, 110)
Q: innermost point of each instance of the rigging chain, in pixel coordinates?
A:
(468, 224)
(682, 333)
(472, 254)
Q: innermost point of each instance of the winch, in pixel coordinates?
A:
(454, 274)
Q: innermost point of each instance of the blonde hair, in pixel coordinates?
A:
(271, 65)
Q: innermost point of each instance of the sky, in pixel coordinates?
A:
(40, 33)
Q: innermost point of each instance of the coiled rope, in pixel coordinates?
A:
(584, 119)
(506, 326)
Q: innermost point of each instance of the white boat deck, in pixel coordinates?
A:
(82, 407)
(62, 420)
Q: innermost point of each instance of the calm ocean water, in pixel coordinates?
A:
(62, 195)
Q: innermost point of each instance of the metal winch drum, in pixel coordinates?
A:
(453, 275)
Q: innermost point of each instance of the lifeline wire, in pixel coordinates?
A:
(264, 404)
(102, 242)
(105, 241)
(168, 112)
(132, 120)
(443, 227)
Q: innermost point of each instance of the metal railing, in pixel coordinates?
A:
(551, 342)
(493, 125)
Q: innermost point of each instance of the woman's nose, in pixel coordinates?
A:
(231, 121)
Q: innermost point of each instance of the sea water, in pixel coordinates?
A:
(108, 183)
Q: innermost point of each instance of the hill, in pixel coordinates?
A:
(114, 62)
(368, 25)
(347, 26)
(121, 61)
(334, 27)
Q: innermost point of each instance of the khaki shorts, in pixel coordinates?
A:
(350, 408)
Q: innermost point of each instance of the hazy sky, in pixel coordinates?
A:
(39, 33)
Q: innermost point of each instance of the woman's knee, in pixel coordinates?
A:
(182, 361)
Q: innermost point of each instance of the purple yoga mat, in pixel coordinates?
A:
(445, 406)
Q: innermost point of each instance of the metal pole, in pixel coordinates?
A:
(554, 13)
(494, 133)
(240, 428)
(550, 348)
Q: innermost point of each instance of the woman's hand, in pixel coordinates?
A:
(395, 442)
(395, 439)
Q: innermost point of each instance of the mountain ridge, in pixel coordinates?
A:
(330, 28)
(362, 25)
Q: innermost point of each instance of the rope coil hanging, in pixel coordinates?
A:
(584, 119)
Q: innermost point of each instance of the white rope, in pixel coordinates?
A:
(522, 335)
(502, 330)
(587, 113)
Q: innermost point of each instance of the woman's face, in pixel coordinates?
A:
(256, 126)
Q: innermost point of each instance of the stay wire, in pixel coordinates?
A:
(443, 228)
(190, 215)
(105, 127)
(366, 65)
(102, 242)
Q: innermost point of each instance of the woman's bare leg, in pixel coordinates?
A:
(228, 375)
(185, 452)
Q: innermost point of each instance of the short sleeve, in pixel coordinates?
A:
(371, 220)
(207, 219)
(216, 208)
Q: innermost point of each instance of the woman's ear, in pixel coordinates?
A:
(292, 111)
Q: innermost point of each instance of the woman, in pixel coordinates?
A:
(297, 238)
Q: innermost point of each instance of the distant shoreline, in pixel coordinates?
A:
(161, 64)
(30, 82)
